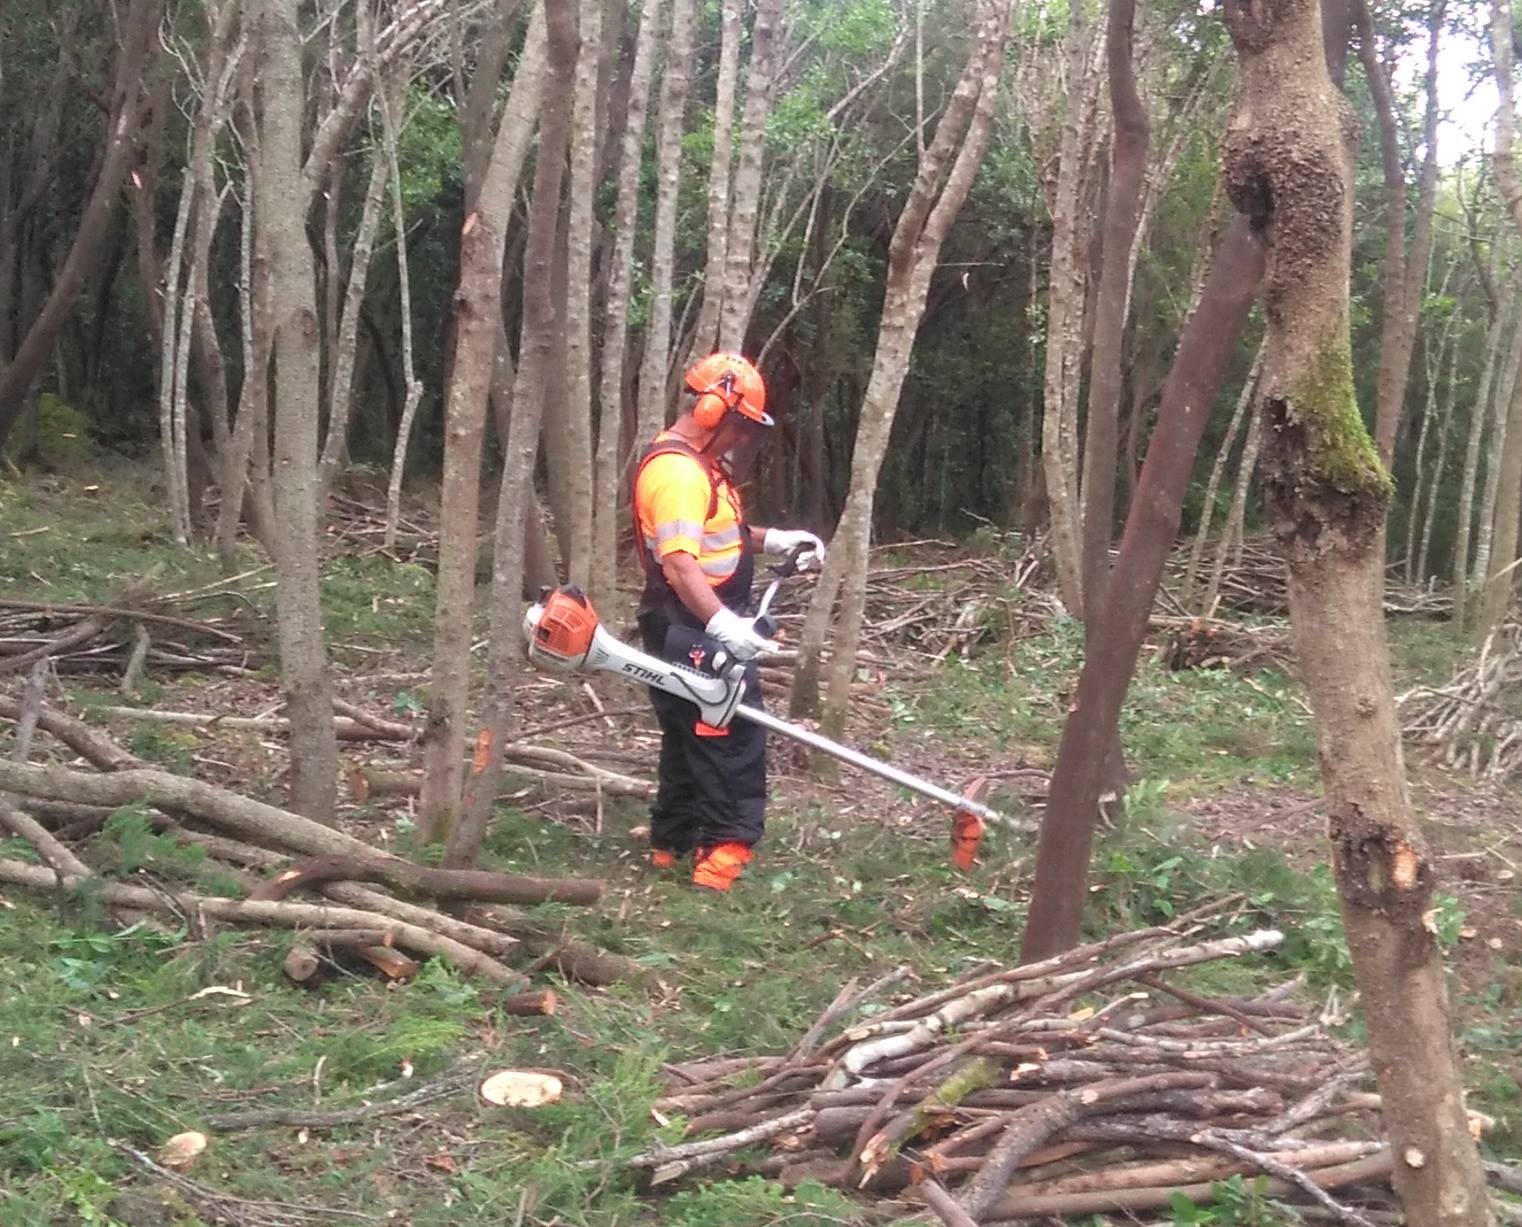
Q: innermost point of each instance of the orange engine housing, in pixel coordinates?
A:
(567, 626)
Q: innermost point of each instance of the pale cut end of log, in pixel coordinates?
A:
(301, 964)
(182, 1150)
(1264, 939)
(520, 1088)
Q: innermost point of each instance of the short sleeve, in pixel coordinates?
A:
(673, 495)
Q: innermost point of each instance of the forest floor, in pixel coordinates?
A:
(105, 1043)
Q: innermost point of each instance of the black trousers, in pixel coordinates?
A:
(712, 781)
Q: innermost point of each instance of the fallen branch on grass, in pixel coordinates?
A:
(263, 912)
(258, 821)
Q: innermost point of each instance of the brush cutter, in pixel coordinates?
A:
(564, 632)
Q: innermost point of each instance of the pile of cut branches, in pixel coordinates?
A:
(934, 601)
(1211, 643)
(1254, 581)
(1474, 722)
(344, 896)
(127, 634)
(1084, 1084)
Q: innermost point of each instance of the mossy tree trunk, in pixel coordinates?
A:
(1289, 166)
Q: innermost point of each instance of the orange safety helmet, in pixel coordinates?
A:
(727, 382)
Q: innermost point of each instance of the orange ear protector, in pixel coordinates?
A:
(714, 402)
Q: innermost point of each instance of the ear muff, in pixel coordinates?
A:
(715, 401)
(709, 410)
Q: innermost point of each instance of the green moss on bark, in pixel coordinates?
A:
(1340, 451)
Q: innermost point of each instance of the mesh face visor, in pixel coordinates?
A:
(736, 447)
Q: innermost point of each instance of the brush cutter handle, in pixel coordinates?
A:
(785, 569)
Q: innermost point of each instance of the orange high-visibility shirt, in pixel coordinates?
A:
(672, 496)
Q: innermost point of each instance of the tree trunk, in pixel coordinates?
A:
(1445, 416)
(674, 88)
(1289, 165)
(739, 247)
(477, 325)
(293, 308)
(413, 396)
(1128, 168)
(705, 336)
(1208, 341)
(539, 337)
(586, 126)
(346, 335)
(1245, 411)
(1500, 404)
(1499, 573)
(139, 47)
(946, 174)
(1404, 276)
(1230, 544)
(1065, 302)
(1479, 411)
(611, 449)
(1501, 578)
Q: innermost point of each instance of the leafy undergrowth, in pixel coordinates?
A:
(109, 1041)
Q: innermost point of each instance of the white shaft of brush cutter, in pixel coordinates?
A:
(718, 702)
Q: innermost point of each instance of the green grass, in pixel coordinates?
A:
(1201, 729)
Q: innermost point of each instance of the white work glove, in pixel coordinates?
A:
(780, 541)
(739, 635)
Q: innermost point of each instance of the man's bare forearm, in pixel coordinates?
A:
(691, 585)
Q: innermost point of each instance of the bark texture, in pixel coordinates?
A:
(1289, 166)
(705, 336)
(1479, 411)
(576, 479)
(477, 327)
(293, 308)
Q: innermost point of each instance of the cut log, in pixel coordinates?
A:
(524, 1004)
(474, 884)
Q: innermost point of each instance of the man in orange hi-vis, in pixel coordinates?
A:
(699, 556)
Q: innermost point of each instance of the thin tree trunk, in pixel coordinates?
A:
(1426, 482)
(705, 336)
(1501, 577)
(610, 446)
(1500, 573)
(414, 393)
(1479, 411)
(477, 327)
(945, 178)
(1404, 272)
(171, 390)
(1128, 169)
(1445, 415)
(346, 338)
(282, 208)
(1230, 544)
(540, 326)
(576, 474)
(1289, 165)
(1244, 412)
(1499, 418)
(669, 124)
(1065, 302)
(739, 247)
(139, 47)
